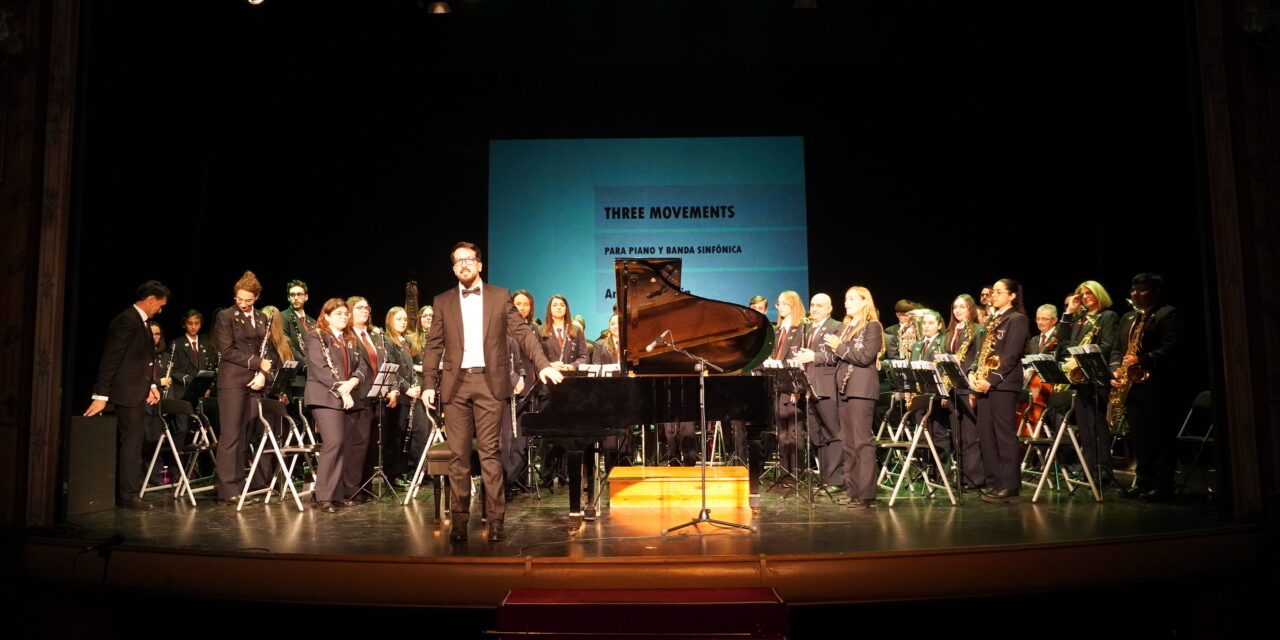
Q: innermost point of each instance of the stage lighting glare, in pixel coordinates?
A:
(256, 1)
(439, 7)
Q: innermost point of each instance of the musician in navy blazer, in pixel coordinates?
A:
(126, 379)
(336, 365)
(856, 349)
(468, 343)
(997, 392)
(238, 333)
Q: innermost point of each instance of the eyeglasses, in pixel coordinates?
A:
(299, 294)
(466, 261)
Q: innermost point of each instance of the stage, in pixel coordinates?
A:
(385, 554)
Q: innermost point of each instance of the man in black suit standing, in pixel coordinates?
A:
(468, 343)
(125, 379)
(1156, 331)
(296, 326)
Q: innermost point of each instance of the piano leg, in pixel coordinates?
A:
(589, 475)
(574, 463)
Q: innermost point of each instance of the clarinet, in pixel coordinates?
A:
(168, 371)
(262, 352)
(324, 349)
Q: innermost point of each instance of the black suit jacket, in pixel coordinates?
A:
(443, 350)
(1160, 339)
(574, 351)
(348, 361)
(602, 351)
(1010, 344)
(822, 375)
(855, 358)
(295, 330)
(125, 370)
(187, 364)
(1074, 327)
(238, 342)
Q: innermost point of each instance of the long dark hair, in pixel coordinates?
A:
(1014, 287)
(532, 319)
(570, 329)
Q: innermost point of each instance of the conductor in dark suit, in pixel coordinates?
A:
(125, 379)
(468, 344)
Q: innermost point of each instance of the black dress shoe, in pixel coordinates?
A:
(327, 506)
(235, 501)
(1000, 496)
(1156, 495)
(495, 531)
(136, 504)
(1133, 492)
(458, 533)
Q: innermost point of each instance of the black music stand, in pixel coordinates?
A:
(949, 369)
(793, 381)
(204, 439)
(1097, 371)
(704, 514)
(382, 384)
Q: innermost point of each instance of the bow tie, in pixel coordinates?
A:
(467, 292)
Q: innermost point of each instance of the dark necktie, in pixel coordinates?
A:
(373, 353)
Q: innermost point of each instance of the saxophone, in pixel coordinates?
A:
(1127, 374)
(1071, 367)
(987, 358)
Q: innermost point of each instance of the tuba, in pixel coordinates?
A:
(1128, 375)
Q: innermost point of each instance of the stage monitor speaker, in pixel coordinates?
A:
(91, 465)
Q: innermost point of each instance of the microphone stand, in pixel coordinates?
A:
(704, 514)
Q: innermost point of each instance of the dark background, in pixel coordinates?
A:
(344, 143)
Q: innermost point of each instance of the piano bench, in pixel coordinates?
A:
(438, 457)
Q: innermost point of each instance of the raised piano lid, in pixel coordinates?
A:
(650, 301)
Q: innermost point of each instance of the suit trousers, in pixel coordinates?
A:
(474, 411)
(860, 470)
(788, 431)
(1095, 435)
(964, 428)
(356, 448)
(336, 427)
(1153, 433)
(237, 409)
(828, 450)
(130, 432)
(998, 439)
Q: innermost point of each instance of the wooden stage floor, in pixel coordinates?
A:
(382, 553)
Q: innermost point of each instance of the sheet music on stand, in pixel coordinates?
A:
(949, 366)
(281, 377)
(786, 379)
(901, 378)
(601, 370)
(1048, 368)
(199, 384)
(927, 378)
(1093, 364)
(384, 381)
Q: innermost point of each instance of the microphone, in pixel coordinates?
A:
(656, 341)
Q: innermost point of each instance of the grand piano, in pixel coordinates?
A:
(657, 383)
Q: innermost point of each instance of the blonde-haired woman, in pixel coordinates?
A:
(856, 348)
(1087, 314)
